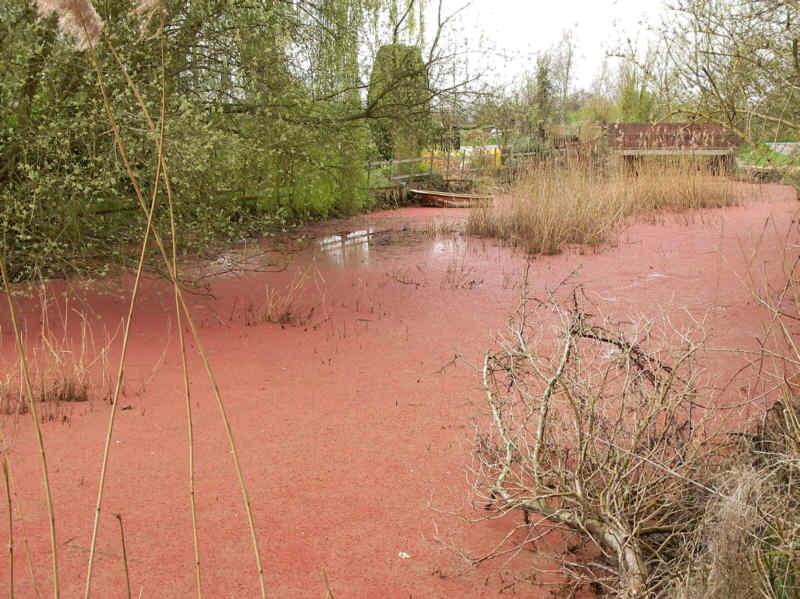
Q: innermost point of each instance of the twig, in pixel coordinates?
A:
(124, 556)
(10, 531)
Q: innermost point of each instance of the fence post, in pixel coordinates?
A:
(430, 172)
(391, 162)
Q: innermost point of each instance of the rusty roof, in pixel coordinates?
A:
(672, 136)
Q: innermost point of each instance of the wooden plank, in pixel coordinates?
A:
(676, 152)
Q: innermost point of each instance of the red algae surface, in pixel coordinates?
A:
(346, 360)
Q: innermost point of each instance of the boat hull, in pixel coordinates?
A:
(444, 199)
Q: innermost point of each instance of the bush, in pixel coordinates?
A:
(67, 204)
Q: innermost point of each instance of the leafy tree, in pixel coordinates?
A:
(265, 121)
(399, 102)
(635, 102)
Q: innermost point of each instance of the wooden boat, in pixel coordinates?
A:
(448, 199)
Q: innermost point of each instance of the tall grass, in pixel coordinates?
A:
(551, 207)
(62, 369)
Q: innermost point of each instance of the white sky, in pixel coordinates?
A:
(524, 27)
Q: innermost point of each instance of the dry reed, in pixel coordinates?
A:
(62, 371)
(51, 519)
(7, 488)
(171, 268)
(124, 556)
(11, 490)
(551, 207)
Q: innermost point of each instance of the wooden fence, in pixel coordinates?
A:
(448, 165)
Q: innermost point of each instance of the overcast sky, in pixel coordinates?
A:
(524, 27)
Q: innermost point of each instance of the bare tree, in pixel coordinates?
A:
(563, 66)
(733, 62)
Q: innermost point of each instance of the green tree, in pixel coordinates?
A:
(265, 121)
(634, 101)
(398, 102)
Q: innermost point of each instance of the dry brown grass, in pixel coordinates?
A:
(747, 542)
(552, 207)
(62, 370)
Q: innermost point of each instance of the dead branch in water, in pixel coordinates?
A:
(595, 430)
(597, 435)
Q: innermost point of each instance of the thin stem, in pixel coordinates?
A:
(21, 515)
(328, 591)
(181, 340)
(124, 556)
(10, 531)
(232, 443)
(195, 336)
(35, 416)
(129, 319)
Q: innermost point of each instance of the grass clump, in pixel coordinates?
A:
(61, 369)
(552, 207)
(747, 543)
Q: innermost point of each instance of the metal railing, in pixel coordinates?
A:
(446, 164)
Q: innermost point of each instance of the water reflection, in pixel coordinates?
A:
(364, 247)
(347, 248)
(447, 246)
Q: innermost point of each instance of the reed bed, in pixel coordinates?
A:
(551, 207)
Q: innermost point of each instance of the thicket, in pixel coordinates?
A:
(264, 125)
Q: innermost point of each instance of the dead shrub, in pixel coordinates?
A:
(604, 429)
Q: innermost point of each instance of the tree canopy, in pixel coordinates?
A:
(266, 119)
(399, 102)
